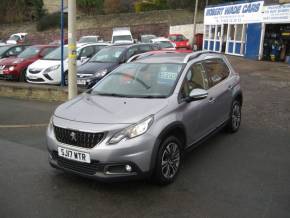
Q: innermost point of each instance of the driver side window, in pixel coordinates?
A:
(195, 78)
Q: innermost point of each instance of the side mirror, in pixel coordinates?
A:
(197, 94)
(83, 59)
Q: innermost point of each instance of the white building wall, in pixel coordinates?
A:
(186, 30)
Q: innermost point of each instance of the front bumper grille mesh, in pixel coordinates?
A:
(77, 138)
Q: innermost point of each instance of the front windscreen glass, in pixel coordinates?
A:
(140, 80)
(29, 52)
(165, 44)
(56, 54)
(108, 55)
(88, 40)
(122, 38)
(3, 49)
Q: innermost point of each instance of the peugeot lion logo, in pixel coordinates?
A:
(73, 136)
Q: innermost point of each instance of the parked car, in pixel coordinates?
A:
(180, 41)
(58, 42)
(7, 51)
(139, 120)
(147, 38)
(107, 60)
(122, 36)
(14, 68)
(164, 43)
(2, 42)
(89, 39)
(18, 38)
(48, 69)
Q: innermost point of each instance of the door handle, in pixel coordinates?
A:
(211, 100)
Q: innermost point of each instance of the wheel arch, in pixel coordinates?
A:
(176, 129)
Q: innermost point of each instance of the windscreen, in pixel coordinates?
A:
(122, 38)
(56, 54)
(140, 80)
(165, 44)
(108, 55)
(88, 40)
(29, 52)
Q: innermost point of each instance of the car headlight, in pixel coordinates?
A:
(101, 73)
(52, 68)
(11, 68)
(132, 131)
(50, 124)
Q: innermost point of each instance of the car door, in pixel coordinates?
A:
(219, 91)
(195, 114)
(85, 54)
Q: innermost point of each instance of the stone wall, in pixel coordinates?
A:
(161, 29)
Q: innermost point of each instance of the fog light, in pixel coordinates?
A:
(128, 168)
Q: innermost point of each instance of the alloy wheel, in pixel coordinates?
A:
(170, 160)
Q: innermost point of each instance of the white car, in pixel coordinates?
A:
(48, 69)
(17, 38)
(164, 43)
(89, 39)
(122, 36)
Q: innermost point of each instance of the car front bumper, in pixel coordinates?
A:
(108, 162)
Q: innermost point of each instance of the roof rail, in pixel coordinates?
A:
(147, 54)
(196, 54)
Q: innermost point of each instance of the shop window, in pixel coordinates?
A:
(232, 32)
(207, 32)
(239, 32)
(212, 32)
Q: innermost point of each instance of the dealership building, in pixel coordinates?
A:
(253, 29)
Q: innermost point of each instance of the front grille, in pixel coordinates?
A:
(77, 138)
(34, 71)
(84, 168)
(35, 80)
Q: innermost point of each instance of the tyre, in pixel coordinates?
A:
(22, 76)
(66, 78)
(168, 161)
(235, 120)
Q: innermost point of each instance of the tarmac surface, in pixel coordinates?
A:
(246, 174)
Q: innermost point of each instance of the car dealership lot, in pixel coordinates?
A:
(242, 175)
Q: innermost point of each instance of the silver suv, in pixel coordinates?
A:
(140, 119)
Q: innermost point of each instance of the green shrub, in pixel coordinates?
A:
(50, 21)
(145, 6)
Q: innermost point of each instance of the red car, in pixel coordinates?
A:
(180, 41)
(14, 68)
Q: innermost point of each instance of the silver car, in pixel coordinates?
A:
(138, 121)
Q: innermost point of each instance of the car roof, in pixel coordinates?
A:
(130, 45)
(160, 39)
(172, 56)
(44, 46)
(162, 57)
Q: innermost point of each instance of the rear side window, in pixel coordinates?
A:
(87, 52)
(46, 51)
(132, 51)
(145, 48)
(217, 71)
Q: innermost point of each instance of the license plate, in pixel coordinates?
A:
(81, 82)
(74, 155)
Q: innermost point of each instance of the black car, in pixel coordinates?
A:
(11, 50)
(107, 60)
